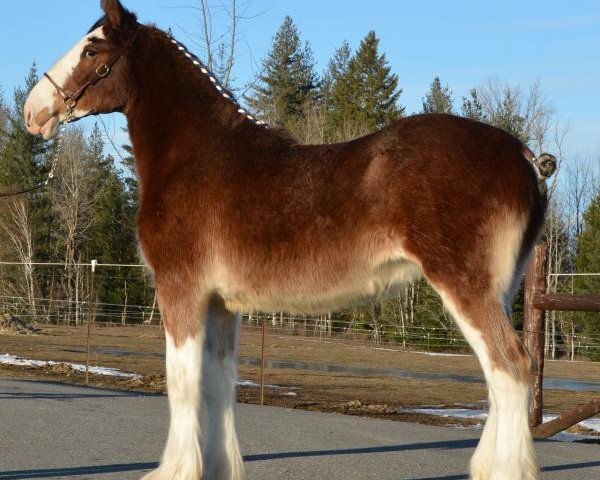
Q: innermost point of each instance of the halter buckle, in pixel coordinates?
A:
(70, 102)
(102, 70)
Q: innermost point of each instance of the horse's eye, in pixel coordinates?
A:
(89, 53)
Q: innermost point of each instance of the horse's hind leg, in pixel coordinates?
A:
(505, 451)
(223, 460)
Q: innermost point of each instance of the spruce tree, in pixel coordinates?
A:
(588, 261)
(471, 106)
(131, 181)
(364, 96)
(336, 68)
(25, 162)
(439, 98)
(4, 119)
(22, 154)
(508, 117)
(288, 80)
(108, 240)
(111, 238)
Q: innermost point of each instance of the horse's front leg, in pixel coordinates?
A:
(222, 457)
(183, 315)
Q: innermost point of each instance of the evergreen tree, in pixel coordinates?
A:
(508, 118)
(471, 106)
(364, 96)
(24, 162)
(22, 154)
(4, 118)
(588, 261)
(131, 181)
(109, 240)
(439, 99)
(288, 81)
(95, 147)
(336, 68)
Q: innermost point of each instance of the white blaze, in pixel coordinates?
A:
(44, 94)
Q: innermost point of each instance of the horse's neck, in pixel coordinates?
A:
(174, 110)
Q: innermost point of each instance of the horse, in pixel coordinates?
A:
(237, 217)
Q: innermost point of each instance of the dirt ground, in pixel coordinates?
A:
(141, 350)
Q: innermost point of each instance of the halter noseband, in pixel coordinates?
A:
(70, 98)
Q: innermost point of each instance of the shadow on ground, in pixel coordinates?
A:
(131, 467)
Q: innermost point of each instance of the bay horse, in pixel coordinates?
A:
(238, 217)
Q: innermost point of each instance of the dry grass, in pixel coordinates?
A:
(142, 351)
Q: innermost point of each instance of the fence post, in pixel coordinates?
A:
(533, 328)
(262, 364)
(89, 325)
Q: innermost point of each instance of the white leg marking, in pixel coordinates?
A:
(222, 455)
(182, 459)
(505, 450)
(515, 456)
(483, 458)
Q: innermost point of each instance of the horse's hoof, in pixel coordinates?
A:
(162, 473)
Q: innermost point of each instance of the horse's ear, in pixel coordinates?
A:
(116, 13)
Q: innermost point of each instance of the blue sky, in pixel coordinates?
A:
(463, 41)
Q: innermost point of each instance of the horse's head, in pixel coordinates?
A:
(89, 79)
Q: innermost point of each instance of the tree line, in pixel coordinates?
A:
(89, 210)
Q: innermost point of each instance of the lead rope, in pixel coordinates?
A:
(57, 151)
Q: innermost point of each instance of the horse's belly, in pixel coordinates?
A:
(318, 293)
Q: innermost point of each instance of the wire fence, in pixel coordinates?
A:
(61, 294)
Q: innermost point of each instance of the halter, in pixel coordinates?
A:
(70, 98)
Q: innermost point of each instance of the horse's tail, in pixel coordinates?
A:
(544, 166)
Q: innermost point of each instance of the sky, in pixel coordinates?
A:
(464, 42)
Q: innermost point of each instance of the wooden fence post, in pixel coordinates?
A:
(533, 328)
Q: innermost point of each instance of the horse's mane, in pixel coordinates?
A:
(191, 63)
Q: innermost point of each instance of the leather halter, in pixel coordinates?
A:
(70, 98)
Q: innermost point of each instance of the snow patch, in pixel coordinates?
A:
(453, 412)
(251, 384)
(591, 423)
(8, 359)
